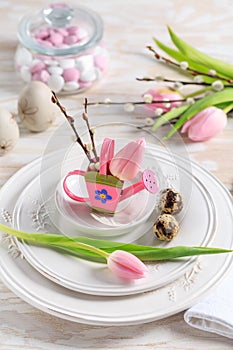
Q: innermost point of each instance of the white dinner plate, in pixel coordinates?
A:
(140, 308)
(32, 214)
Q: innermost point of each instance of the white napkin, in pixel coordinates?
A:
(215, 313)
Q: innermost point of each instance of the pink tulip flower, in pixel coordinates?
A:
(205, 124)
(165, 94)
(126, 265)
(127, 162)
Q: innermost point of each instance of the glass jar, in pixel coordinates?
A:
(62, 47)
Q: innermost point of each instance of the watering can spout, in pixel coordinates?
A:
(148, 182)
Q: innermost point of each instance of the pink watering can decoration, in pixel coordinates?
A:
(105, 187)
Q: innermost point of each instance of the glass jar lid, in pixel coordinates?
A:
(60, 30)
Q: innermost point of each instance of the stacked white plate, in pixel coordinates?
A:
(87, 292)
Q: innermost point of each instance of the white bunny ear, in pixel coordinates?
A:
(106, 155)
(127, 162)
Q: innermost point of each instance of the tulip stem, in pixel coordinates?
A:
(52, 240)
(199, 92)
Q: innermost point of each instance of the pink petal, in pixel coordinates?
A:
(127, 162)
(160, 93)
(126, 265)
(192, 121)
(205, 124)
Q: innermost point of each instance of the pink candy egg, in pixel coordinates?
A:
(70, 39)
(62, 31)
(43, 57)
(41, 76)
(44, 76)
(71, 74)
(56, 39)
(37, 67)
(42, 34)
(101, 62)
(84, 84)
(73, 30)
(45, 42)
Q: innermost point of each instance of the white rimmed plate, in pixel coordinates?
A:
(32, 213)
(31, 286)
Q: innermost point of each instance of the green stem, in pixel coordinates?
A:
(199, 92)
(166, 117)
(50, 239)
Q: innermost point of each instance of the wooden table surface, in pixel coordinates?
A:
(129, 27)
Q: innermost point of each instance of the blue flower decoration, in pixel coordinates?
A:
(102, 196)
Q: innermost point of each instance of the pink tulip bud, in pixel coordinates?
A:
(127, 162)
(205, 124)
(165, 95)
(126, 265)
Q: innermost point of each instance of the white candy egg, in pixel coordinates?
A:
(35, 108)
(9, 131)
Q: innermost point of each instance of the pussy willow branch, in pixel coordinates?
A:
(192, 72)
(183, 82)
(71, 122)
(85, 117)
(135, 103)
(173, 81)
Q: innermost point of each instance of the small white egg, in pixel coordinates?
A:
(56, 82)
(23, 57)
(55, 70)
(25, 74)
(85, 62)
(71, 86)
(88, 76)
(9, 131)
(67, 63)
(35, 108)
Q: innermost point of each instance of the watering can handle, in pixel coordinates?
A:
(68, 191)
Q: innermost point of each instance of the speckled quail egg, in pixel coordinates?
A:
(35, 108)
(170, 201)
(166, 227)
(9, 131)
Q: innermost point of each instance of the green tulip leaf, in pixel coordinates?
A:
(197, 56)
(225, 106)
(168, 116)
(179, 57)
